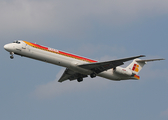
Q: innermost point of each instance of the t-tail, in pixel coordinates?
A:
(137, 64)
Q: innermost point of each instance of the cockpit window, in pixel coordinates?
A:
(16, 42)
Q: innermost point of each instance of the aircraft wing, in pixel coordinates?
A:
(96, 67)
(71, 75)
(99, 67)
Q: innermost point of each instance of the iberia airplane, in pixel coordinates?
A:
(78, 67)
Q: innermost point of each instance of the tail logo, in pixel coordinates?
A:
(135, 68)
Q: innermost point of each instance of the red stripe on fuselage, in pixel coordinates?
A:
(77, 57)
(62, 53)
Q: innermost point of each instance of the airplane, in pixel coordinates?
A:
(78, 67)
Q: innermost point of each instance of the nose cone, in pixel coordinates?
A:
(7, 47)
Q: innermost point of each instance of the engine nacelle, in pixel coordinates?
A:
(123, 71)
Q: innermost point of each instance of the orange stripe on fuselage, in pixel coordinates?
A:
(28, 43)
(58, 52)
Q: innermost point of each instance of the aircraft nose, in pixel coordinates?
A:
(7, 47)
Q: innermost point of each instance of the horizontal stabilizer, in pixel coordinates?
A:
(138, 60)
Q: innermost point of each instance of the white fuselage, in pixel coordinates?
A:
(72, 63)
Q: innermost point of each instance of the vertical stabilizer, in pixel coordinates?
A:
(137, 64)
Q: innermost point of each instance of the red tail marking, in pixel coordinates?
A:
(134, 67)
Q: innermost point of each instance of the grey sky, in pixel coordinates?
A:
(97, 29)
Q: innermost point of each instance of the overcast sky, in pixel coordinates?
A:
(97, 29)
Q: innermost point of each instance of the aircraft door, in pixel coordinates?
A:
(24, 46)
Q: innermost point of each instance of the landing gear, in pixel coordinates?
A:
(11, 53)
(80, 79)
(93, 75)
(11, 57)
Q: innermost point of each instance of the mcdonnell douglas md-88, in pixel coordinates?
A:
(78, 67)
